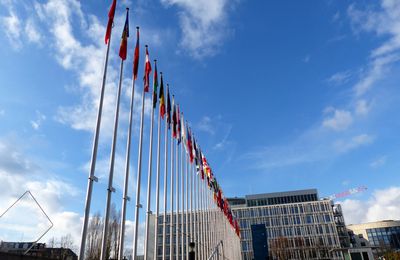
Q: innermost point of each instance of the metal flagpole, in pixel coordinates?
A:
(191, 201)
(157, 181)
(125, 197)
(188, 234)
(164, 236)
(148, 209)
(196, 234)
(92, 177)
(171, 230)
(183, 231)
(177, 200)
(199, 221)
(202, 217)
(110, 188)
(139, 175)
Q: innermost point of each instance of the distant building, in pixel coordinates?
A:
(383, 235)
(37, 250)
(287, 225)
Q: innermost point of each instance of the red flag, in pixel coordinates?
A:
(136, 58)
(111, 13)
(147, 70)
(189, 145)
(124, 39)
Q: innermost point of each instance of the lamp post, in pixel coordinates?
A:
(192, 254)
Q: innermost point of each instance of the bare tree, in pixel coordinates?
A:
(94, 237)
(52, 242)
(66, 241)
(95, 232)
(115, 223)
(280, 248)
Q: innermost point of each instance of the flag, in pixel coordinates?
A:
(155, 85)
(173, 117)
(136, 57)
(162, 99)
(178, 126)
(147, 70)
(194, 156)
(124, 38)
(183, 135)
(111, 14)
(168, 108)
(189, 145)
(193, 153)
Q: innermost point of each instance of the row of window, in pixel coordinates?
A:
(287, 221)
(297, 242)
(321, 206)
(281, 200)
(310, 230)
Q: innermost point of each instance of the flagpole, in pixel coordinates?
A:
(125, 197)
(203, 193)
(92, 177)
(177, 199)
(183, 232)
(192, 232)
(166, 125)
(148, 209)
(157, 180)
(195, 232)
(139, 175)
(171, 251)
(201, 216)
(165, 189)
(188, 234)
(110, 188)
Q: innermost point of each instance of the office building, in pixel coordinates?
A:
(287, 225)
(383, 236)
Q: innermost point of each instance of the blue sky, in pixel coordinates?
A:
(281, 95)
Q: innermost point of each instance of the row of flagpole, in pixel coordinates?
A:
(194, 204)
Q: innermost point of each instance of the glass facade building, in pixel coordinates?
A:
(382, 235)
(387, 236)
(297, 226)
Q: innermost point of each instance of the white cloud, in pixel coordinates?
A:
(362, 107)
(339, 121)
(206, 125)
(203, 24)
(12, 27)
(40, 118)
(378, 162)
(32, 32)
(353, 143)
(225, 140)
(384, 22)
(2, 112)
(307, 58)
(340, 78)
(382, 205)
(18, 173)
(377, 68)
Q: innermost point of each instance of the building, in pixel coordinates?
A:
(287, 225)
(217, 237)
(383, 236)
(38, 250)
